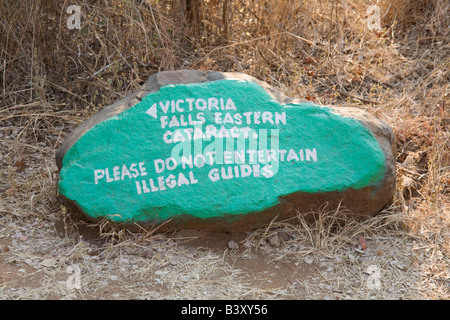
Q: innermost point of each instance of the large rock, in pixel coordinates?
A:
(223, 151)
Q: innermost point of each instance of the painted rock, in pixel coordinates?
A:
(225, 152)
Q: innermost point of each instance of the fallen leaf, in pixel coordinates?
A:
(49, 262)
(362, 243)
(310, 60)
(359, 70)
(20, 164)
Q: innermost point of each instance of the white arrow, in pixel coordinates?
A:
(152, 111)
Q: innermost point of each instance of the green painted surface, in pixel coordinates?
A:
(116, 168)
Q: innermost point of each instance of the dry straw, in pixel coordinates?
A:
(53, 77)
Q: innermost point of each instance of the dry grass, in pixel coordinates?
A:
(52, 78)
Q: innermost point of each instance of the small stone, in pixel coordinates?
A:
(173, 262)
(233, 245)
(160, 272)
(149, 253)
(284, 236)
(247, 243)
(309, 259)
(352, 258)
(274, 241)
(123, 260)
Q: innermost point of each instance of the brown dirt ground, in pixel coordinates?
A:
(37, 253)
